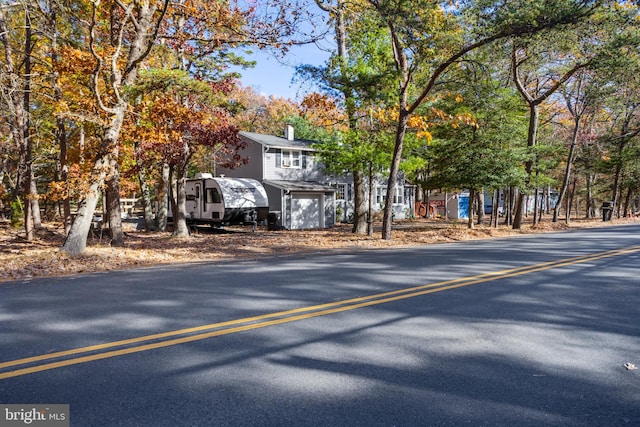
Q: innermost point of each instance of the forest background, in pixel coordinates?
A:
(105, 99)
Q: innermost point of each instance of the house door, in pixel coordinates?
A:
(306, 211)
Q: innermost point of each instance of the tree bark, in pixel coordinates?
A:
(393, 173)
(472, 196)
(590, 208)
(149, 222)
(370, 203)
(180, 227)
(577, 110)
(567, 173)
(35, 202)
(531, 140)
(113, 206)
(359, 203)
(480, 206)
(76, 241)
(163, 197)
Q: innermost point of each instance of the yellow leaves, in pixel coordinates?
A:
(385, 116)
(419, 122)
(427, 136)
(422, 123)
(60, 107)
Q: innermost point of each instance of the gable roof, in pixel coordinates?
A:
(272, 141)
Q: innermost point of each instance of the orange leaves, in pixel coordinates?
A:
(322, 111)
(258, 113)
(75, 61)
(57, 191)
(76, 185)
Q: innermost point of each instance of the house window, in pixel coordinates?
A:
(381, 195)
(341, 191)
(291, 159)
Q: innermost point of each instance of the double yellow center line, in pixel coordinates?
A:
(29, 365)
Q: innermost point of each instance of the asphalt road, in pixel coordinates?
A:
(525, 331)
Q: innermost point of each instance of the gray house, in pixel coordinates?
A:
(299, 191)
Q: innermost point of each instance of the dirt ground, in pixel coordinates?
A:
(23, 260)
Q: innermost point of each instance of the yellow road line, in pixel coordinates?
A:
(271, 319)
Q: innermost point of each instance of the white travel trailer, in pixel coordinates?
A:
(225, 201)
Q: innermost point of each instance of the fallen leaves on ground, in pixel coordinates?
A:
(41, 257)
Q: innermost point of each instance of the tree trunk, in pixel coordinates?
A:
(360, 205)
(35, 202)
(113, 206)
(336, 13)
(495, 211)
(18, 92)
(163, 198)
(63, 164)
(472, 197)
(76, 241)
(60, 131)
(536, 205)
(507, 205)
(480, 206)
(627, 201)
(572, 193)
(370, 203)
(3, 168)
(393, 172)
(180, 227)
(617, 176)
(149, 222)
(27, 210)
(531, 142)
(567, 170)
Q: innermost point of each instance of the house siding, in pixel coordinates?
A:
(309, 170)
(253, 168)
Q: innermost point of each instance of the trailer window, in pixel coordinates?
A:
(212, 196)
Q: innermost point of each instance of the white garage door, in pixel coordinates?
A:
(306, 211)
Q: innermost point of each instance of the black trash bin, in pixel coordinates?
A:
(607, 211)
(274, 221)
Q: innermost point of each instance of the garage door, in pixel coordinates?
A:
(306, 210)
